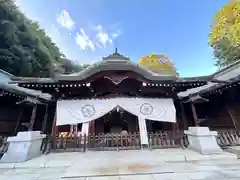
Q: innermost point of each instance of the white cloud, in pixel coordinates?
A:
(83, 41)
(116, 34)
(103, 36)
(100, 38)
(65, 20)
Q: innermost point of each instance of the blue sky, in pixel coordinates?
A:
(87, 30)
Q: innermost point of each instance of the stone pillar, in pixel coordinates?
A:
(25, 146)
(202, 140)
(143, 131)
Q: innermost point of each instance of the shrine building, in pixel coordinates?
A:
(118, 96)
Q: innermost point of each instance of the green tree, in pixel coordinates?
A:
(225, 34)
(25, 49)
(225, 53)
(70, 66)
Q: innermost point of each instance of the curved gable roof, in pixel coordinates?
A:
(114, 62)
(115, 65)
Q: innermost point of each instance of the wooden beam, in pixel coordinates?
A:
(29, 100)
(196, 99)
(219, 81)
(159, 89)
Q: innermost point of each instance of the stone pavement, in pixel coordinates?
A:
(162, 164)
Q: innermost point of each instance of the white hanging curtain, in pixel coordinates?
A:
(80, 111)
(85, 128)
(143, 130)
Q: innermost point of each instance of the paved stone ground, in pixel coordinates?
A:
(166, 164)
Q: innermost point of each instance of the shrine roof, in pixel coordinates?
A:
(114, 62)
(5, 79)
(226, 76)
(115, 65)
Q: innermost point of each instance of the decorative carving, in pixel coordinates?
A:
(88, 110)
(116, 79)
(146, 109)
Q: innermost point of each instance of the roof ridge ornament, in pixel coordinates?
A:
(116, 56)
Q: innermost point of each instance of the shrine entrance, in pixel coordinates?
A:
(118, 129)
(109, 125)
(116, 121)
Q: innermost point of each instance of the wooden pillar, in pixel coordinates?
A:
(194, 114)
(54, 131)
(177, 125)
(18, 121)
(71, 131)
(229, 110)
(92, 127)
(33, 117)
(45, 119)
(150, 126)
(173, 128)
(75, 130)
(184, 117)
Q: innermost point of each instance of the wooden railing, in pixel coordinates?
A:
(167, 139)
(228, 138)
(109, 142)
(69, 143)
(114, 141)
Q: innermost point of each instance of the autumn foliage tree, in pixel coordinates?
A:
(159, 63)
(225, 34)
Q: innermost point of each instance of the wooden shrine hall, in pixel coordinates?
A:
(23, 109)
(117, 96)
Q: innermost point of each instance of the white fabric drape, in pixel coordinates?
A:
(80, 111)
(143, 130)
(85, 128)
